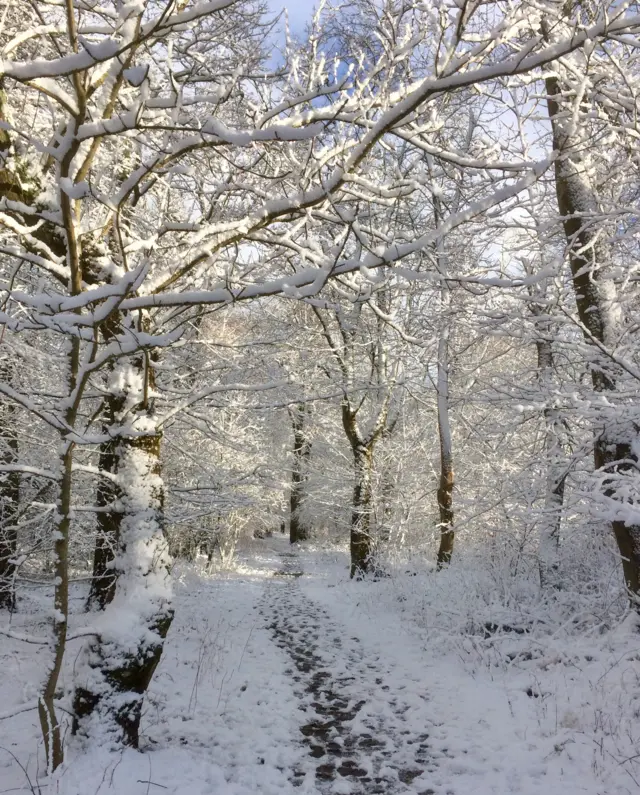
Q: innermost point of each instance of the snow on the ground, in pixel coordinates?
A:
(521, 714)
(553, 715)
(220, 717)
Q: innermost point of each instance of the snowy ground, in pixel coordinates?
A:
(285, 677)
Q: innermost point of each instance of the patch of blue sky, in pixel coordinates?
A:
(299, 11)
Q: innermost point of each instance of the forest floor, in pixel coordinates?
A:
(282, 676)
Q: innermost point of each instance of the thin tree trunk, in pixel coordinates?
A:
(361, 542)
(46, 707)
(301, 452)
(447, 479)
(445, 487)
(9, 495)
(596, 303)
(387, 496)
(362, 545)
(119, 662)
(554, 464)
(548, 551)
(556, 473)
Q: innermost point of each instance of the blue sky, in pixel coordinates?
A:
(299, 10)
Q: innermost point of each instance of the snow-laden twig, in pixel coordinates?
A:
(10, 633)
(11, 713)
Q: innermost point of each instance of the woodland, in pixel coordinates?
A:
(361, 296)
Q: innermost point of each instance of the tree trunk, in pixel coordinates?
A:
(556, 473)
(346, 352)
(361, 542)
(301, 451)
(445, 487)
(447, 480)
(387, 497)
(9, 495)
(119, 662)
(108, 522)
(362, 546)
(46, 706)
(49, 725)
(596, 303)
(550, 530)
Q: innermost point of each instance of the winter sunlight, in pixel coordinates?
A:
(320, 397)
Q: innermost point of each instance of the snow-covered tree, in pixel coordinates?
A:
(156, 165)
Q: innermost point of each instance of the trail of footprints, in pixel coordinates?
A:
(338, 745)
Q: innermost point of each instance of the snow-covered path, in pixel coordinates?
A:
(381, 713)
(355, 725)
(282, 677)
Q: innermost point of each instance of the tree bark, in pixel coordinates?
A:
(361, 544)
(595, 295)
(301, 452)
(361, 541)
(9, 495)
(445, 487)
(108, 521)
(447, 478)
(556, 472)
(49, 724)
(387, 497)
(119, 662)
(46, 706)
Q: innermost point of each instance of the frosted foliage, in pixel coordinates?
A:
(370, 286)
